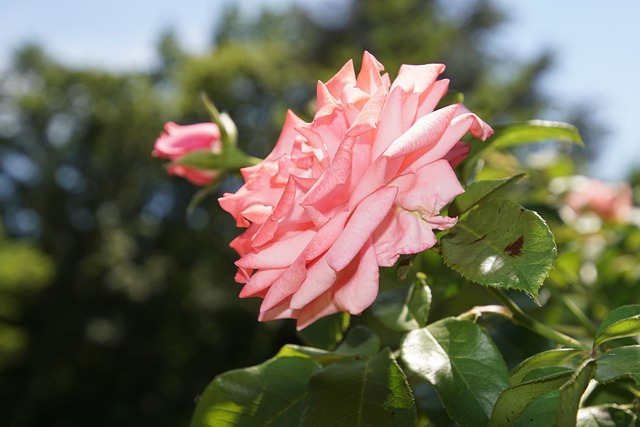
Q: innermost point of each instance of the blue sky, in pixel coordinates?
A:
(596, 45)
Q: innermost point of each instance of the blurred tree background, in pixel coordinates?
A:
(115, 307)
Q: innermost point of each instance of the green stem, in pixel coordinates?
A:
(523, 319)
(572, 307)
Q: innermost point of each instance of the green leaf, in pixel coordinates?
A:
(618, 314)
(547, 372)
(563, 357)
(508, 135)
(477, 192)
(571, 393)
(513, 402)
(551, 401)
(540, 412)
(619, 362)
(501, 244)
(620, 323)
(359, 341)
(271, 394)
(606, 416)
(419, 302)
(360, 391)
(201, 159)
(229, 159)
(463, 364)
(323, 357)
(327, 332)
(293, 350)
(406, 308)
(533, 131)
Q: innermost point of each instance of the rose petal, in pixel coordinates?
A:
(344, 78)
(320, 278)
(177, 140)
(278, 254)
(285, 205)
(293, 278)
(320, 307)
(196, 176)
(425, 133)
(417, 78)
(369, 78)
(401, 232)
(357, 286)
(365, 219)
(428, 189)
(281, 311)
(260, 282)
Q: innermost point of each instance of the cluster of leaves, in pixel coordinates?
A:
(357, 384)
(346, 379)
(17, 284)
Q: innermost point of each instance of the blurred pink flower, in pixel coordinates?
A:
(609, 201)
(177, 141)
(338, 197)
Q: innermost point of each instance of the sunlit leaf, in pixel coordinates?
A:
(271, 394)
(622, 322)
(323, 357)
(509, 135)
(501, 244)
(569, 358)
(463, 364)
(477, 192)
(619, 362)
(360, 391)
(534, 131)
(405, 308)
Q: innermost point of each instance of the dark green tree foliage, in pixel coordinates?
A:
(141, 311)
(143, 308)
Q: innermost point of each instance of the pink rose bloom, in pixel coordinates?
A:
(609, 201)
(176, 141)
(351, 191)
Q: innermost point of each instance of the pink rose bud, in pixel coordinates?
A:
(350, 192)
(176, 141)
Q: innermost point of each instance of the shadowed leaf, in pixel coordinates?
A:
(361, 391)
(271, 394)
(619, 362)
